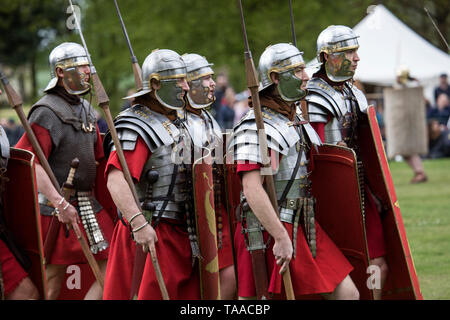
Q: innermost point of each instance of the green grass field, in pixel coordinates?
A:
(426, 214)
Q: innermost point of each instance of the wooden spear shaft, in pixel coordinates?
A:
(252, 84)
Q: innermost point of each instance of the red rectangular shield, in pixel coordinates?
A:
(21, 212)
(402, 281)
(335, 185)
(206, 228)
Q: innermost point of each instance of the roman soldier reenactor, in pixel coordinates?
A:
(294, 240)
(206, 133)
(65, 126)
(339, 112)
(154, 143)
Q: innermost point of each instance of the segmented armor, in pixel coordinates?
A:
(204, 131)
(164, 139)
(291, 139)
(343, 106)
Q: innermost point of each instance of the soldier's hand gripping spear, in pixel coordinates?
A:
(252, 84)
(103, 102)
(16, 103)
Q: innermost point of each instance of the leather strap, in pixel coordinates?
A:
(169, 192)
(291, 180)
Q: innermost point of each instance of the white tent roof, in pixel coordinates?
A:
(387, 43)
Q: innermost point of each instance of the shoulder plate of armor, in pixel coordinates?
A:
(312, 134)
(280, 135)
(203, 129)
(139, 121)
(323, 98)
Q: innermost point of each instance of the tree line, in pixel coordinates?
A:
(31, 28)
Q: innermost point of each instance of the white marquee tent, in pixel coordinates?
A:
(387, 43)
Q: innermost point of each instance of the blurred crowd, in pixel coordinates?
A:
(13, 130)
(229, 106)
(439, 121)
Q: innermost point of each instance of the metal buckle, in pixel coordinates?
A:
(291, 204)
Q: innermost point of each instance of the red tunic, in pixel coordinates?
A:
(309, 275)
(374, 226)
(68, 250)
(173, 250)
(12, 271)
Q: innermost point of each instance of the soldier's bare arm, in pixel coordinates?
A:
(66, 212)
(261, 206)
(123, 198)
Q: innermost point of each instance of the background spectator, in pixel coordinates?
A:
(439, 140)
(428, 108)
(225, 115)
(442, 110)
(102, 125)
(13, 131)
(241, 105)
(442, 88)
(219, 92)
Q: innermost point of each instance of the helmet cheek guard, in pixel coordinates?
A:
(289, 86)
(74, 81)
(198, 94)
(282, 58)
(197, 69)
(337, 67)
(170, 94)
